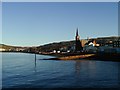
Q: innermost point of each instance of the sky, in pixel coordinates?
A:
(60, 0)
(39, 23)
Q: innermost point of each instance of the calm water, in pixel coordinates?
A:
(19, 70)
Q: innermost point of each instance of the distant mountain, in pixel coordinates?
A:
(8, 46)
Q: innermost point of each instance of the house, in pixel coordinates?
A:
(19, 49)
(90, 46)
(54, 51)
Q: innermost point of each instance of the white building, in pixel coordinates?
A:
(19, 49)
(58, 51)
(54, 51)
(2, 49)
(90, 47)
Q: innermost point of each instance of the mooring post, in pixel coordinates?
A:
(35, 59)
(35, 56)
(35, 53)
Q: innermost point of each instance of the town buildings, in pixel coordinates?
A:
(103, 45)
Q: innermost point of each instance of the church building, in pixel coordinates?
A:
(78, 45)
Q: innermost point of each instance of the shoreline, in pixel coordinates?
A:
(87, 56)
(78, 56)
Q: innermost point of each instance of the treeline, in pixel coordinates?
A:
(56, 46)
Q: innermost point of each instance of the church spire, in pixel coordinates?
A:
(77, 35)
(77, 32)
(78, 45)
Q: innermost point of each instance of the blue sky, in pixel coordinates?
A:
(60, 0)
(38, 23)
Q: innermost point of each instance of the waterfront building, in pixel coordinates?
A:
(2, 49)
(19, 49)
(83, 42)
(90, 46)
(116, 43)
(112, 46)
(109, 41)
(106, 49)
(78, 46)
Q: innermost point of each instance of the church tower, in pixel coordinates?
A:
(78, 46)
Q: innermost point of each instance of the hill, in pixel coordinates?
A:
(56, 46)
(63, 46)
(69, 44)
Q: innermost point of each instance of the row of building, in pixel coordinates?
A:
(92, 45)
(12, 49)
(97, 45)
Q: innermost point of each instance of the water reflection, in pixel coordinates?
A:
(77, 68)
(85, 67)
(35, 64)
(119, 74)
(92, 69)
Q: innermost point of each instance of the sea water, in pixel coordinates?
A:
(21, 70)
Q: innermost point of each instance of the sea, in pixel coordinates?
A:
(22, 70)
